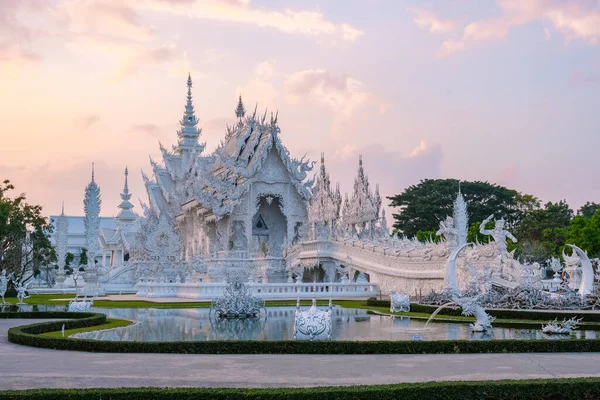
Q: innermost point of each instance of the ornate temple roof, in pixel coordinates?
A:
(218, 181)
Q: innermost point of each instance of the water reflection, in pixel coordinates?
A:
(348, 324)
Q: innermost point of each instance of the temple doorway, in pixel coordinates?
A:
(269, 227)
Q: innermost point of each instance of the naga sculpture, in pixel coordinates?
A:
(471, 307)
(399, 302)
(561, 328)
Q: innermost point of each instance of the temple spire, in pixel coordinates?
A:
(93, 173)
(62, 211)
(240, 111)
(189, 133)
(126, 215)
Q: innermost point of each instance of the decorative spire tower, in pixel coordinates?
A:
(91, 206)
(188, 134)
(126, 216)
(62, 226)
(461, 217)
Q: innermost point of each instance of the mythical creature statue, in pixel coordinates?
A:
(449, 231)
(399, 302)
(561, 328)
(4, 279)
(587, 272)
(499, 234)
(82, 305)
(471, 307)
(302, 168)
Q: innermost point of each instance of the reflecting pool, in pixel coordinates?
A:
(278, 324)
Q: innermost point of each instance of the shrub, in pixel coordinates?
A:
(541, 389)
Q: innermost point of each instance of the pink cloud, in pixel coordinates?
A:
(428, 21)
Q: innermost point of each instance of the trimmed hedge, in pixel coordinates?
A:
(542, 389)
(29, 335)
(454, 311)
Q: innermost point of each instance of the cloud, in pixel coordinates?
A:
(341, 94)
(110, 18)
(428, 21)
(577, 19)
(261, 87)
(150, 130)
(87, 121)
(303, 22)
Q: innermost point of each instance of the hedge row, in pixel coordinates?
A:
(542, 389)
(29, 335)
(500, 314)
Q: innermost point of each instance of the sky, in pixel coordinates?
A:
(501, 91)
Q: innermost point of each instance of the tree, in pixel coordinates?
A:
(83, 258)
(535, 222)
(24, 236)
(69, 257)
(588, 209)
(422, 206)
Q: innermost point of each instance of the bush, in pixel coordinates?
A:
(542, 389)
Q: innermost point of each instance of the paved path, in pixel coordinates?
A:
(24, 367)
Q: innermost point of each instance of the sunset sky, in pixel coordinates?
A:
(506, 91)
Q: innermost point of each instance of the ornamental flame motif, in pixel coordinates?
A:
(312, 322)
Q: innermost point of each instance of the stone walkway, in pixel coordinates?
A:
(27, 367)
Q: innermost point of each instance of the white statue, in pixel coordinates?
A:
(399, 302)
(499, 234)
(561, 328)
(4, 279)
(587, 272)
(449, 232)
(21, 289)
(80, 306)
(312, 322)
(451, 278)
(470, 306)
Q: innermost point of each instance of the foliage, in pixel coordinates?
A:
(83, 258)
(425, 236)
(422, 206)
(588, 209)
(69, 257)
(538, 389)
(24, 235)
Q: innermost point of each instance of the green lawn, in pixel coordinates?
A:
(110, 323)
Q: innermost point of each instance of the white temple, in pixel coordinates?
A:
(250, 208)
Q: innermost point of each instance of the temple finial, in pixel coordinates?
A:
(92, 172)
(126, 187)
(240, 111)
(189, 81)
(62, 212)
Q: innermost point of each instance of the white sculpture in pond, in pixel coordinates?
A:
(451, 278)
(80, 306)
(499, 234)
(561, 328)
(4, 279)
(587, 272)
(399, 302)
(312, 322)
(471, 307)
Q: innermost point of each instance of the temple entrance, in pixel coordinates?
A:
(269, 227)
